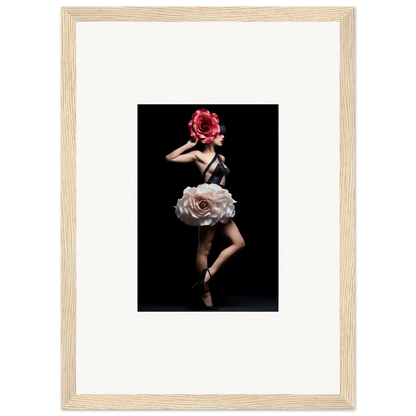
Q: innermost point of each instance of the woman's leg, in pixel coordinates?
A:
(205, 236)
(231, 232)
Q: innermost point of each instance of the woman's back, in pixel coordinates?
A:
(216, 171)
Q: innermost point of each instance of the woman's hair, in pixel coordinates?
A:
(223, 130)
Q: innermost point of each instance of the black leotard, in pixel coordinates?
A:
(220, 171)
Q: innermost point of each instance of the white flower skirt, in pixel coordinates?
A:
(206, 204)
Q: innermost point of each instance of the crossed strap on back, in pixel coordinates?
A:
(220, 169)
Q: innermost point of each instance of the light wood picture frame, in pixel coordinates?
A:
(345, 16)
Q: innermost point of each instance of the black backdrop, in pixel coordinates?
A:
(167, 247)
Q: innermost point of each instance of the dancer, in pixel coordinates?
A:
(210, 205)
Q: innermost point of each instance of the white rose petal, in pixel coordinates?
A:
(205, 205)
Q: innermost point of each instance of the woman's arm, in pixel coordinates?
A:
(177, 156)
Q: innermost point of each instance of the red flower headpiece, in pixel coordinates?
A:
(204, 126)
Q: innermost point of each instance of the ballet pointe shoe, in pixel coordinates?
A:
(204, 306)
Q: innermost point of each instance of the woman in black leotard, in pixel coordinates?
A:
(209, 206)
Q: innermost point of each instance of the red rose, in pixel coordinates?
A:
(204, 126)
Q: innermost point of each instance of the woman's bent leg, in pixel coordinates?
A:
(231, 232)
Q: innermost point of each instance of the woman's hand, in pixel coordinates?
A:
(191, 142)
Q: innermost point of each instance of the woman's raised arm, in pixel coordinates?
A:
(177, 156)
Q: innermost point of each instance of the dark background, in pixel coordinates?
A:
(167, 246)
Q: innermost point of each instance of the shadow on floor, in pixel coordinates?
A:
(225, 302)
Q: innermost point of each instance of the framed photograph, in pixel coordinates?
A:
(208, 212)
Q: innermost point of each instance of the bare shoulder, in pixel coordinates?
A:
(222, 157)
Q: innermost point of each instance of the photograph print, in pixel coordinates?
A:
(208, 207)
